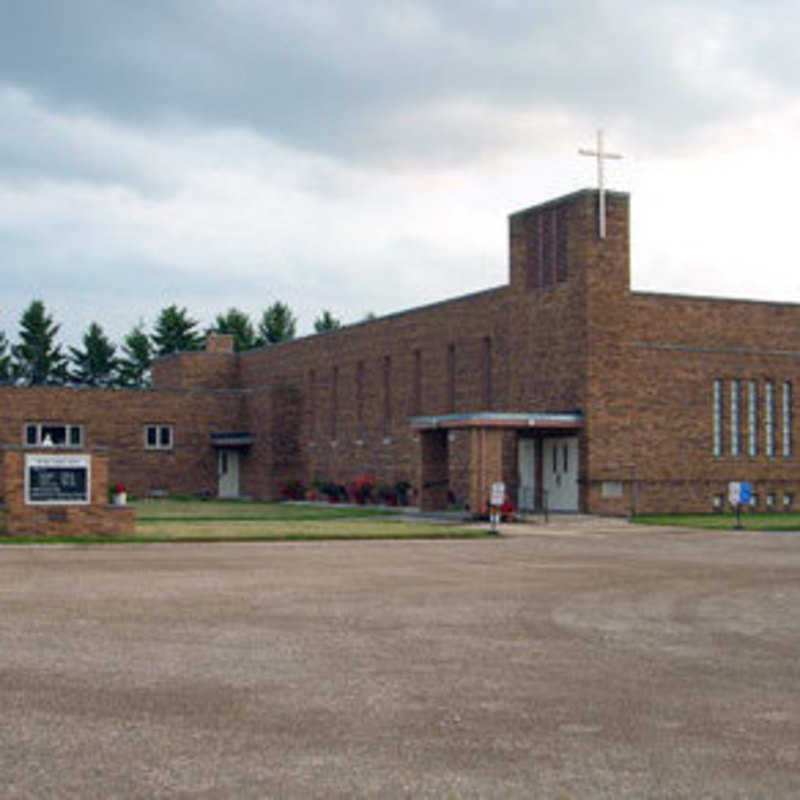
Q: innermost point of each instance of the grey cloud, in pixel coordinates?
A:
(326, 76)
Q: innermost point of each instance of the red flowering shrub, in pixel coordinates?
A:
(360, 489)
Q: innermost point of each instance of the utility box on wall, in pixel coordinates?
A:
(54, 494)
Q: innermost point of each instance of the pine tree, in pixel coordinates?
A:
(5, 359)
(175, 331)
(37, 359)
(326, 322)
(237, 323)
(133, 369)
(95, 365)
(278, 324)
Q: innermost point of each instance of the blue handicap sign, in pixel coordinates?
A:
(745, 493)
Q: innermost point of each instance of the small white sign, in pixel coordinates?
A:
(57, 479)
(734, 493)
(498, 493)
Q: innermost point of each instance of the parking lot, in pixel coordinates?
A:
(585, 658)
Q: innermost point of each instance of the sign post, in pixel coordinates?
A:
(495, 502)
(739, 493)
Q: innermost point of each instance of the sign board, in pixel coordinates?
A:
(57, 479)
(498, 494)
(740, 493)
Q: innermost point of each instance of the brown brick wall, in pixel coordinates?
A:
(652, 362)
(566, 334)
(116, 420)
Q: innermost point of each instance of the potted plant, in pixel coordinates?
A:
(119, 497)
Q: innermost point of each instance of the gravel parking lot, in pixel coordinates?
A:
(582, 659)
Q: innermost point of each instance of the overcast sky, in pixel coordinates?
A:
(364, 156)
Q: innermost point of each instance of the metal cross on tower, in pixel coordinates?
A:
(600, 154)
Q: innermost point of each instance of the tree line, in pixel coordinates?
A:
(37, 358)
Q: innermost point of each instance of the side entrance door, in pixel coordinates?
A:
(560, 472)
(228, 473)
(526, 459)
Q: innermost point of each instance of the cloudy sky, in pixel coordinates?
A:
(363, 156)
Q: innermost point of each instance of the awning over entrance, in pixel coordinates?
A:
(487, 431)
(233, 439)
(491, 419)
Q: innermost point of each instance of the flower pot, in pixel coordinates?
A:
(120, 499)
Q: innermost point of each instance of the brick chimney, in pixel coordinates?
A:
(219, 342)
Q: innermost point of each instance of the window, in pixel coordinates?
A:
(360, 400)
(769, 419)
(487, 378)
(334, 403)
(387, 396)
(735, 418)
(416, 390)
(312, 403)
(787, 419)
(451, 377)
(752, 418)
(158, 437)
(717, 418)
(48, 434)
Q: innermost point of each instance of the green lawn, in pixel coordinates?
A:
(770, 521)
(172, 520)
(237, 510)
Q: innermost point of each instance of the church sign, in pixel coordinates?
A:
(57, 479)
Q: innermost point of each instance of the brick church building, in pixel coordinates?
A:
(576, 391)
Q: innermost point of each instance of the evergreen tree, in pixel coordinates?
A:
(37, 359)
(5, 359)
(95, 365)
(278, 324)
(326, 322)
(175, 331)
(133, 369)
(237, 323)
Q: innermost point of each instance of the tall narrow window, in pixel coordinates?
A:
(735, 418)
(387, 396)
(548, 248)
(312, 402)
(752, 418)
(717, 418)
(487, 373)
(360, 400)
(787, 419)
(451, 377)
(335, 403)
(416, 388)
(537, 254)
(769, 419)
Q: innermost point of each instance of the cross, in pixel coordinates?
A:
(600, 154)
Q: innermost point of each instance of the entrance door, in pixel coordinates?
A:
(560, 472)
(228, 473)
(526, 459)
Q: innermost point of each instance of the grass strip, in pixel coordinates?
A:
(158, 510)
(771, 522)
(469, 533)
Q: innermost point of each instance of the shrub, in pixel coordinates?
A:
(387, 495)
(293, 490)
(401, 489)
(360, 490)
